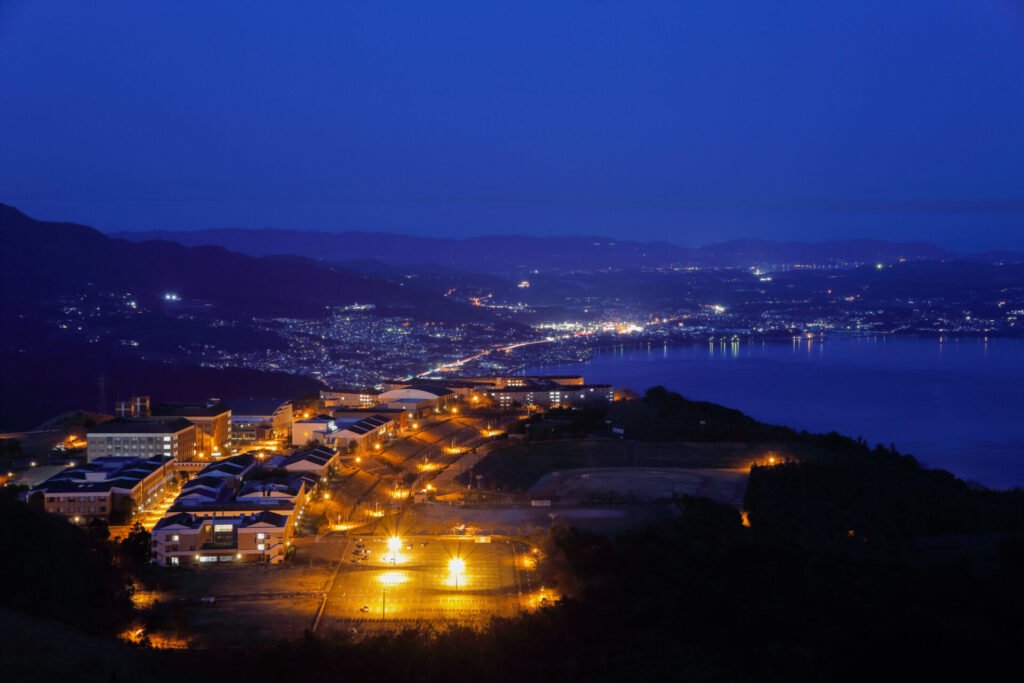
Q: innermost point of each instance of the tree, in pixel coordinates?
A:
(137, 545)
(626, 394)
(98, 530)
(37, 500)
(122, 511)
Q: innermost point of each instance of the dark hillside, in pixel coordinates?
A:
(41, 260)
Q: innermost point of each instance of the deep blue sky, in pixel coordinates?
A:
(687, 121)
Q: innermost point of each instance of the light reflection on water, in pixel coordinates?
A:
(955, 404)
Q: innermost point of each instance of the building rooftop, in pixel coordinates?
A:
(124, 425)
(192, 521)
(350, 390)
(215, 508)
(102, 475)
(366, 424)
(255, 406)
(233, 466)
(268, 489)
(210, 408)
(428, 389)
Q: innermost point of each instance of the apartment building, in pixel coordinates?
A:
(501, 382)
(142, 438)
(347, 397)
(186, 538)
(212, 419)
(343, 433)
(260, 420)
(102, 488)
(550, 395)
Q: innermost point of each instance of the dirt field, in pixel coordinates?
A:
(255, 603)
(520, 468)
(722, 485)
(524, 520)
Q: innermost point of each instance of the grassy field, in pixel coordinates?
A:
(723, 485)
(517, 469)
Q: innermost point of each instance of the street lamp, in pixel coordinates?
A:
(456, 566)
(394, 545)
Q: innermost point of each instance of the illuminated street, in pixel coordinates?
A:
(152, 514)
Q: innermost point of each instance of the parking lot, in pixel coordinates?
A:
(419, 586)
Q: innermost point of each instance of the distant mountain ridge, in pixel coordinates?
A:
(511, 252)
(42, 260)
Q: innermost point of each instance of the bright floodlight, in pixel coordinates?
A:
(456, 565)
(394, 544)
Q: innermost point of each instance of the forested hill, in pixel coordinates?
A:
(502, 253)
(40, 261)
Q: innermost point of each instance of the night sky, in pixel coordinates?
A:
(691, 122)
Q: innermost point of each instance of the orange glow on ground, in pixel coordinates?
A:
(393, 578)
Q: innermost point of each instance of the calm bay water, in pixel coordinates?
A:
(957, 404)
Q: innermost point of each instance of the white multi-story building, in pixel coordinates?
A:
(142, 438)
(189, 539)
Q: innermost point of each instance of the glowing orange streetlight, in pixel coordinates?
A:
(394, 545)
(456, 566)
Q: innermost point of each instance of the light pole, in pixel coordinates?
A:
(394, 544)
(456, 566)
